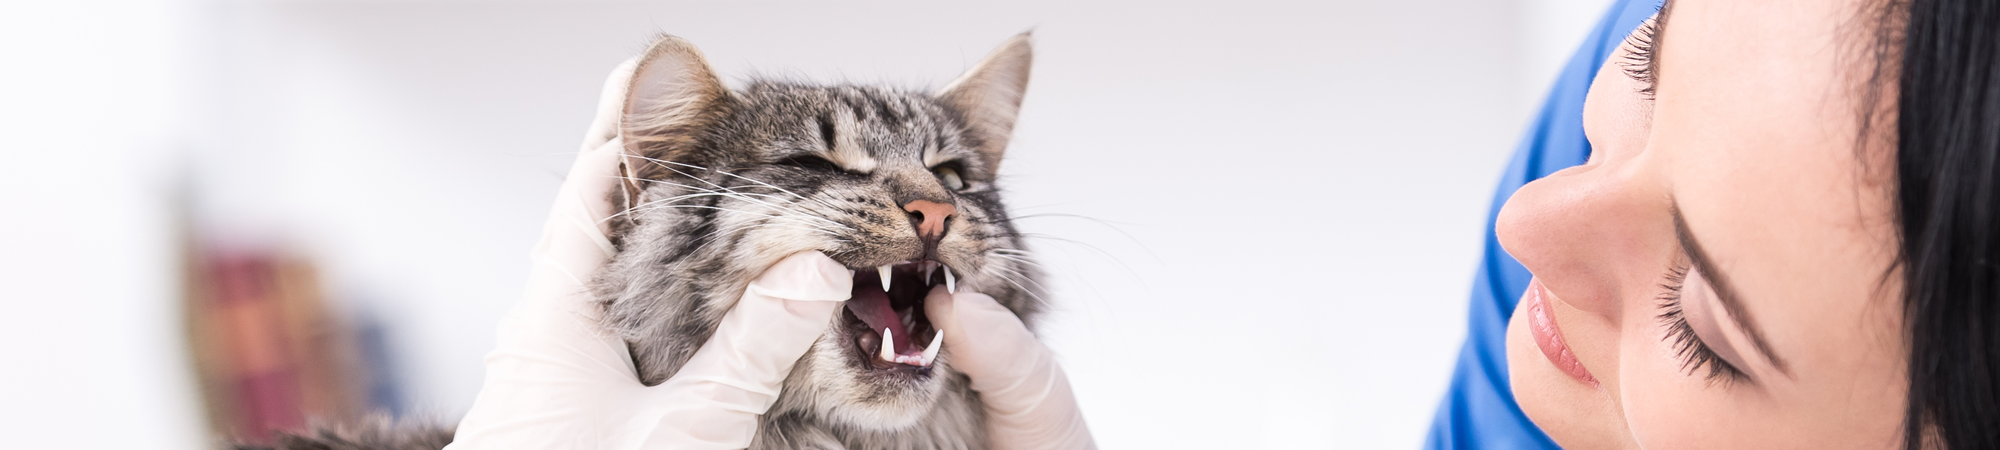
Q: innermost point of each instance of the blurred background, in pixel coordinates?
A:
(217, 217)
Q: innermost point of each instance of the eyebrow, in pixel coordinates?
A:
(1724, 292)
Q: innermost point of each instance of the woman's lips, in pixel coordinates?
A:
(1549, 337)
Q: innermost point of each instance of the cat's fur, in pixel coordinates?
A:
(726, 183)
(723, 183)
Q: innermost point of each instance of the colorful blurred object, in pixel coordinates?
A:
(270, 351)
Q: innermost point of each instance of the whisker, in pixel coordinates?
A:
(1101, 222)
(662, 164)
(1099, 251)
(1024, 289)
(773, 216)
(726, 192)
(710, 237)
(801, 214)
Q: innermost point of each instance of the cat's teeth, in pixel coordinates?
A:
(885, 277)
(888, 346)
(929, 267)
(950, 284)
(930, 353)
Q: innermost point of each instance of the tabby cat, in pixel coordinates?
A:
(898, 185)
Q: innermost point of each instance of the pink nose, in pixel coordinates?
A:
(929, 217)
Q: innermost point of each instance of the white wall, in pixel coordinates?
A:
(90, 353)
(1293, 191)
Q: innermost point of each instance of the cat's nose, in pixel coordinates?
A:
(929, 218)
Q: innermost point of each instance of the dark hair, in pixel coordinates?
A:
(1947, 163)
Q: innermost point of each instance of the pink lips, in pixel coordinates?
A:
(1549, 337)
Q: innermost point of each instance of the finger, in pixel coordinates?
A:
(551, 369)
(550, 351)
(610, 105)
(1027, 397)
(558, 313)
(736, 375)
(574, 237)
(982, 338)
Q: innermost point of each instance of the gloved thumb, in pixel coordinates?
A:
(983, 339)
(1028, 400)
(713, 401)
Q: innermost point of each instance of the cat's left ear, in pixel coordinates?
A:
(672, 97)
(989, 96)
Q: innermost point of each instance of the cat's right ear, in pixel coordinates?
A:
(673, 95)
(989, 96)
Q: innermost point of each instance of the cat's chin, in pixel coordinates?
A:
(844, 388)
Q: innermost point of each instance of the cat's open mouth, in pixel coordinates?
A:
(886, 315)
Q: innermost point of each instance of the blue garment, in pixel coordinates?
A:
(1479, 411)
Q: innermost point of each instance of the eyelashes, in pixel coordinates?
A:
(1688, 347)
(1639, 63)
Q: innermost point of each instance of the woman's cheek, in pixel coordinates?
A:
(1666, 408)
(1671, 407)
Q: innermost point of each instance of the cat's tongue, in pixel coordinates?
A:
(872, 306)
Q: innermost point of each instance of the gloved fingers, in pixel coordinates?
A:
(578, 222)
(777, 319)
(556, 320)
(982, 338)
(554, 371)
(552, 364)
(1027, 396)
(714, 399)
(808, 276)
(574, 239)
(610, 105)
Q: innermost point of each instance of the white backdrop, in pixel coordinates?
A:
(1287, 196)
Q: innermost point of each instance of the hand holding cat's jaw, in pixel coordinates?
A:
(557, 379)
(554, 376)
(1027, 397)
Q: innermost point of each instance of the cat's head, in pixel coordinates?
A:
(893, 183)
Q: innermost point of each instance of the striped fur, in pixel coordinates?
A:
(725, 183)
(722, 183)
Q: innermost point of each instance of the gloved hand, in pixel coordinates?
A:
(1028, 400)
(557, 379)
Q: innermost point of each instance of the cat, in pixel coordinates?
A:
(890, 183)
(898, 185)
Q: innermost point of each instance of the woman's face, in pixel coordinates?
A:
(1718, 274)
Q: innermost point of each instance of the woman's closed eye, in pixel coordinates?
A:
(1639, 63)
(1693, 351)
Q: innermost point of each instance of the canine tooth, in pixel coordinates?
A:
(885, 277)
(929, 268)
(950, 283)
(930, 353)
(888, 346)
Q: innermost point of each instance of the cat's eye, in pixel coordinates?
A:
(811, 162)
(950, 178)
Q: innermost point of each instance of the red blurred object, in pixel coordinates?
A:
(269, 352)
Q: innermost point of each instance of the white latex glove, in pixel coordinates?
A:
(557, 380)
(1028, 401)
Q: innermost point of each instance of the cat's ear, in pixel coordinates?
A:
(673, 95)
(989, 95)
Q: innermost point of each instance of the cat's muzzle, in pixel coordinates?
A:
(885, 316)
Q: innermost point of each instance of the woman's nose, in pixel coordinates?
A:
(1585, 231)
